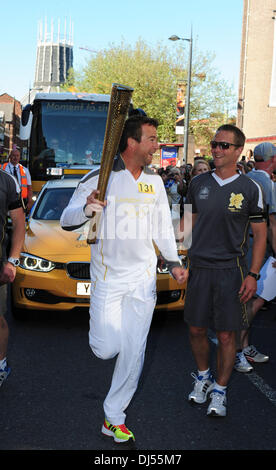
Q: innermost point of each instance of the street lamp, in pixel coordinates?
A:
(188, 93)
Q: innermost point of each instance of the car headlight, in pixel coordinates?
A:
(34, 263)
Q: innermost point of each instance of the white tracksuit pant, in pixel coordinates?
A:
(120, 318)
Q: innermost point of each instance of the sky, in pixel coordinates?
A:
(216, 27)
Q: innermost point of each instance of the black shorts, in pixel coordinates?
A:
(212, 299)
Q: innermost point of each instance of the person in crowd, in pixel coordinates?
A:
(265, 163)
(175, 186)
(188, 173)
(250, 165)
(10, 203)
(162, 173)
(123, 266)
(249, 155)
(23, 177)
(176, 189)
(182, 169)
(250, 352)
(242, 167)
(224, 203)
(200, 166)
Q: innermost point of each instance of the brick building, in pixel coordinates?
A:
(10, 114)
(257, 85)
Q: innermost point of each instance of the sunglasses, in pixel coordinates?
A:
(222, 145)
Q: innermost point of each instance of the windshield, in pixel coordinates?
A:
(52, 202)
(66, 133)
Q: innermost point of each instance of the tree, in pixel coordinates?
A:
(154, 74)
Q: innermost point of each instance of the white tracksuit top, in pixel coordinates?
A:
(137, 213)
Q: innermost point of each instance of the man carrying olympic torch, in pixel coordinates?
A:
(123, 266)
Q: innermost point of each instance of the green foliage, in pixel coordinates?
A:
(154, 74)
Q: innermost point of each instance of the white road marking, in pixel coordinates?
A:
(262, 386)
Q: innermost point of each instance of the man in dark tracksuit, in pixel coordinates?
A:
(224, 204)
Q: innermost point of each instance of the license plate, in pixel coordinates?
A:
(83, 288)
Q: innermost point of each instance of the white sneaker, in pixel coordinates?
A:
(241, 364)
(253, 355)
(201, 388)
(217, 406)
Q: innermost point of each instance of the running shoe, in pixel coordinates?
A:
(253, 355)
(119, 433)
(241, 364)
(217, 406)
(201, 388)
(4, 373)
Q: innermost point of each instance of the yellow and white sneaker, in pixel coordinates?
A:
(119, 433)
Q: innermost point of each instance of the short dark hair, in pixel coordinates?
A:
(239, 135)
(133, 128)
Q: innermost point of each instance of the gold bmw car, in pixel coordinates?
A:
(54, 264)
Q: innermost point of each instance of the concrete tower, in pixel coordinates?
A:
(54, 56)
(257, 86)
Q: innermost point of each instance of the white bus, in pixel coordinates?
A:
(64, 134)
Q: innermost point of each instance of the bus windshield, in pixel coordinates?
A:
(66, 133)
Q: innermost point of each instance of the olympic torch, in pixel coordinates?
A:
(120, 98)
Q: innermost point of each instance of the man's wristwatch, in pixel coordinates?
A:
(14, 261)
(256, 276)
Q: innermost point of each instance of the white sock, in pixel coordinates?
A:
(220, 388)
(3, 363)
(204, 373)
